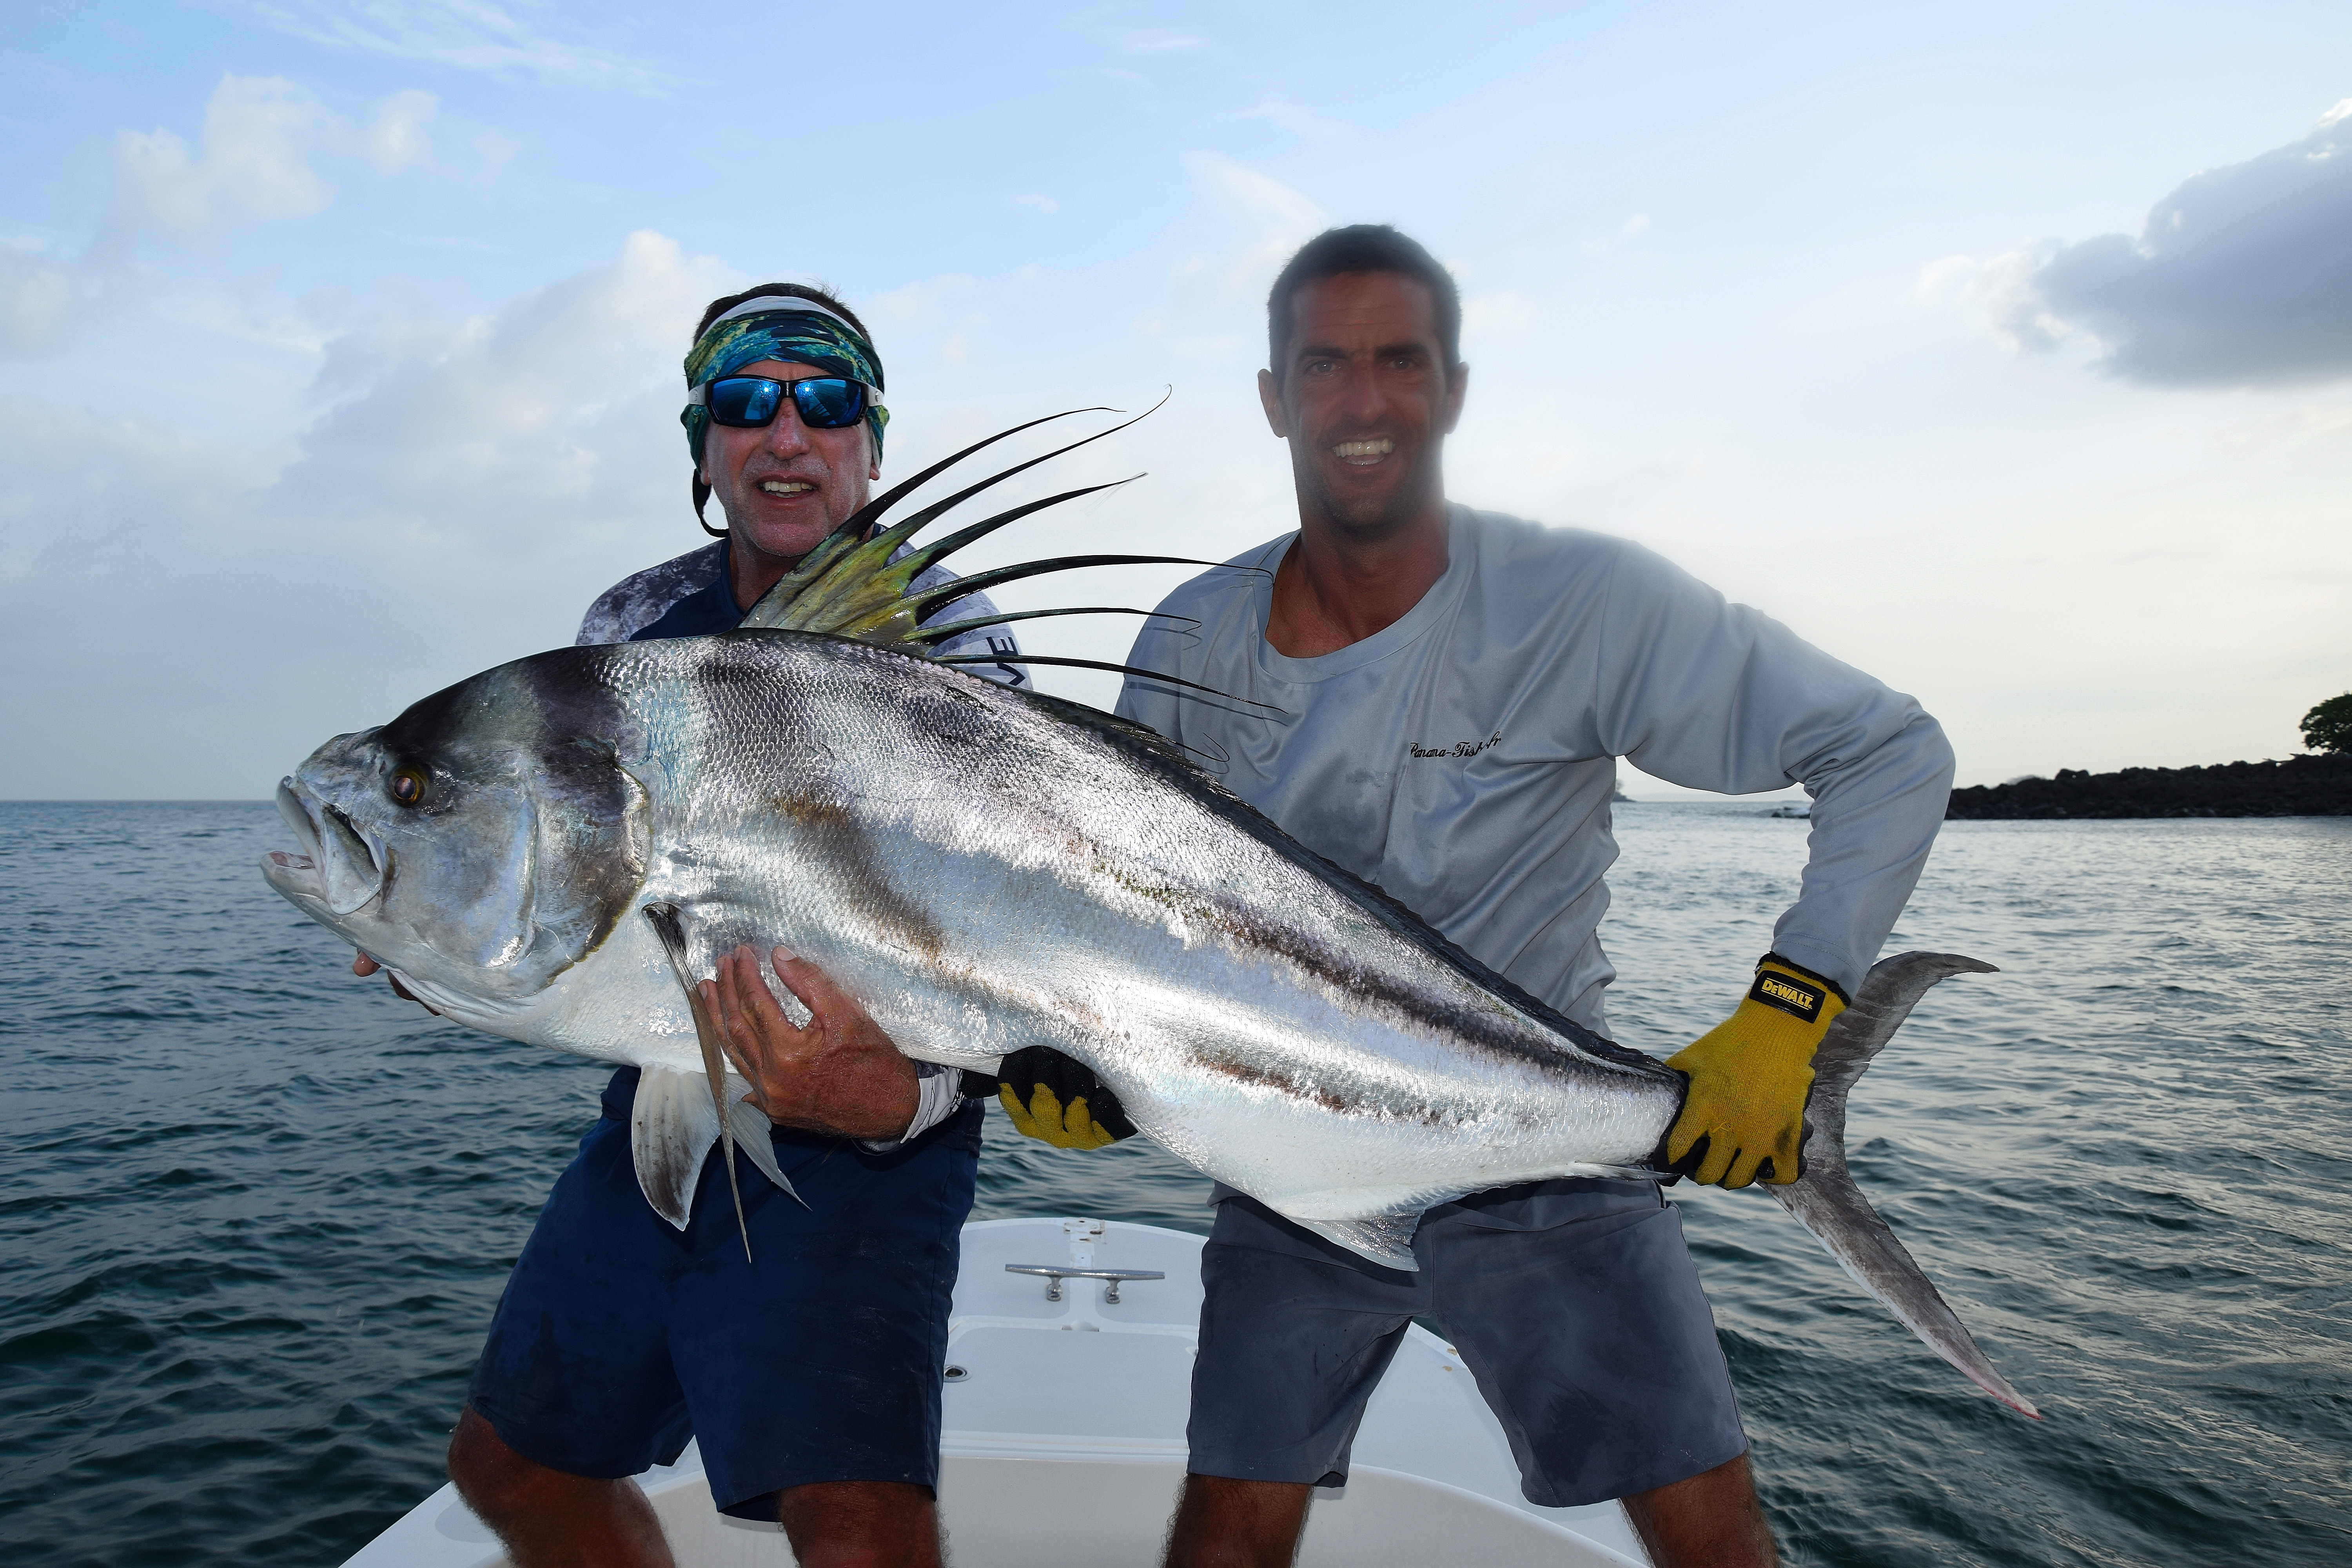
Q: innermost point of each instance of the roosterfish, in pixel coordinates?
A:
(556, 851)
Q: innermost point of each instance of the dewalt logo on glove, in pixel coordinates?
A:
(1796, 997)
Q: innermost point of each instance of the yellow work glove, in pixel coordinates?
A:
(1748, 1079)
(1059, 1101)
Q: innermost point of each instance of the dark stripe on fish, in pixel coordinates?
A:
(848, 850)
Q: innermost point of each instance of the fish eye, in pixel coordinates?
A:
(406, 786)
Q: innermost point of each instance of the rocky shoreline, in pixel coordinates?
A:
(2317, 785)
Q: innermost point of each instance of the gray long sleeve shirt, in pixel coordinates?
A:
(1464, 757)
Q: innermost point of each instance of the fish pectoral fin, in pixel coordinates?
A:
(668, 926)
(672, 1126)
(751, 1127)
(1385, 1238)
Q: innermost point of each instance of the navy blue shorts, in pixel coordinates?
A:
(619, 1338)
(1574, 1304)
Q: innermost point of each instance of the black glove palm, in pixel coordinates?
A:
(1057, 1100)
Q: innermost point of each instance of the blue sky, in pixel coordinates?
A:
(2002, 352)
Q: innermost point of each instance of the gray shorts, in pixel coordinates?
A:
(1574, 1303)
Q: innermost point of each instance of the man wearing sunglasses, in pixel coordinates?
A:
(810, 1373)
(1459, 685)
(788, 448)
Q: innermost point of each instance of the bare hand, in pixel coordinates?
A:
(363, 965)
(840, 1075)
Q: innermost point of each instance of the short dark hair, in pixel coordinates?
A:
(812, 291)
(1361, 248)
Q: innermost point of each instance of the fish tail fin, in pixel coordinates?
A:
(1824, 1199)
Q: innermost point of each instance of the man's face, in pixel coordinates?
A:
(785, 487)
(1365, 400)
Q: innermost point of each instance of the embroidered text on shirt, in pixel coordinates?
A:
(1459, 748)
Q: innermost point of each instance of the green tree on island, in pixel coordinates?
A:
(2329, 727)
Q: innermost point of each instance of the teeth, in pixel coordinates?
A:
(1380, 446)
(785, 487)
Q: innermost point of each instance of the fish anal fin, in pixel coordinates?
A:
(1384, 1238)
(672, 1125)
(752, 1128)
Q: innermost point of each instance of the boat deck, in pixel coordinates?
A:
(1064, 1440)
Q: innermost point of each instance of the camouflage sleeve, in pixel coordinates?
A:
(643, 598)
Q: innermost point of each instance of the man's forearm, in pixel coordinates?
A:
(938, 1094)
(856, 1092)
(1875, 819)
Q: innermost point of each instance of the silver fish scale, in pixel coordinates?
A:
(985, 875)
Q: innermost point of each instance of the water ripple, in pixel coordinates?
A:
(256, 1211)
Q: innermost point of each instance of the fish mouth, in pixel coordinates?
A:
(337, 865)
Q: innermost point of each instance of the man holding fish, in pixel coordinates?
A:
(619, 1336)
(1458, 685)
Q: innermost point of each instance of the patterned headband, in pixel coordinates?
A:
(779, 327)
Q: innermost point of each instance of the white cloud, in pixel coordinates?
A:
(85, 495)
(1501, 313)
(250, 310)
(1271, 221)
(473, 485)
(2238, 277)
(487, 149)
(470, 35)
(38, 297)
(557, 411)
(1281, 212)
(448, 446)
(2000, 291)
(1294, 118)
(399, 134)
(916, 299)
(253, 161)
(1632, 229)
(258, 157)
(119, 624)
(1208, 290)
(266, 152)
(1153, 40)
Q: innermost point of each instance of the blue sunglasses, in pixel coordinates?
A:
(752, 402)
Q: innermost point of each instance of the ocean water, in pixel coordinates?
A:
(254, 1212)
